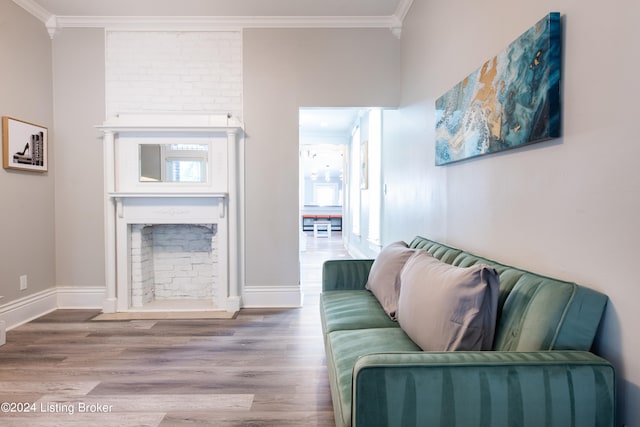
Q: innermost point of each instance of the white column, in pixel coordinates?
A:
(122, 271)
(109, 305)
(235, 240)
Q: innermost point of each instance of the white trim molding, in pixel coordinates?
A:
(49, 20)
(272, 297)
(128, 203)
(35, 9)
(3, 332)
(199, 23)
(31, 307)
(23, 310)
(55, 23)
(81, 298)
(402, 9)
(398, 17)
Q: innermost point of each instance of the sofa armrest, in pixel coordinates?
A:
(555, 388)
(345, 274)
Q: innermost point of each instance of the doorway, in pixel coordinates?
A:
(324, 138)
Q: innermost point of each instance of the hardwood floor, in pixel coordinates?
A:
(264, 368)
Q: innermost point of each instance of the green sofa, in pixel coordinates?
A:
(540, 372)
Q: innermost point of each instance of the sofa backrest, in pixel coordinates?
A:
(535, 313)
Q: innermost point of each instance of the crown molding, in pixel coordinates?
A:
(223, 22)
(399, 15)
(402, 9)
(48, 19)
(54, 23)
(35, 9)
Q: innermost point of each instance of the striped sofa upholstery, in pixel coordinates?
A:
(540, 372)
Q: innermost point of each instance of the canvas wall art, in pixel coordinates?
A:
(24, 145)
(512, 100)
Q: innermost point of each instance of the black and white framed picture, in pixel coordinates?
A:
(25, 145)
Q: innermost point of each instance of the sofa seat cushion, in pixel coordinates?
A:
(344, 349)
(359, 309)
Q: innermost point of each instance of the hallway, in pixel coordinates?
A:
(312, 257)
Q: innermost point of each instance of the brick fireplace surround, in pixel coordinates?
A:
(175, 265)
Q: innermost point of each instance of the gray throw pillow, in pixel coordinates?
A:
(446, 308)
(384, 276)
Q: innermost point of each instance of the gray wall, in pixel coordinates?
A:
(566, 208)
(284, 70)
(27, 213)
(79, 105)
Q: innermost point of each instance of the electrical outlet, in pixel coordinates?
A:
(23, 282)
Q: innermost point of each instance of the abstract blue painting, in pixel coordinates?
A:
(512, 100)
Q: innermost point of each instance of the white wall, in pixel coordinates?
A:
(566, 208)
(176, 71)
(27, 217)
(363, 244)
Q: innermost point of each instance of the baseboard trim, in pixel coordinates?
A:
(357, 253)
(23, 310)
(271, 297)
(88, 297)
(3, 333)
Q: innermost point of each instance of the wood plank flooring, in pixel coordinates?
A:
(264, 368)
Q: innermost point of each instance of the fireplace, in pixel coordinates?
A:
(173, 203)
(175, 265)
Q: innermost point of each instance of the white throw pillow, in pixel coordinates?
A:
(384, 276)
(446, 308)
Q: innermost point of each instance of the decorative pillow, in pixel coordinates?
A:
(384, 276)
(446, 308)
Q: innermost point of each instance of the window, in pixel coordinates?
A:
(325, 194)
(185, 170)
(186, 162)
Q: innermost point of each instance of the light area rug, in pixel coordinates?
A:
(166, 315)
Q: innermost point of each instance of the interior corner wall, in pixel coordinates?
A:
(285, 69)
(567, 208)
(79, 105)
(27, 226)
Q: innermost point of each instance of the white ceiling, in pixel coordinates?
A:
(328, 121)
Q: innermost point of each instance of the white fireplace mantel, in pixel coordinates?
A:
(129, 201)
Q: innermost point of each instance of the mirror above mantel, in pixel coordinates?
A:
(186, 163)
(158, 153)
(172, 169)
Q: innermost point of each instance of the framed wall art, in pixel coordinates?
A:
(512, 100)
(25, 145)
